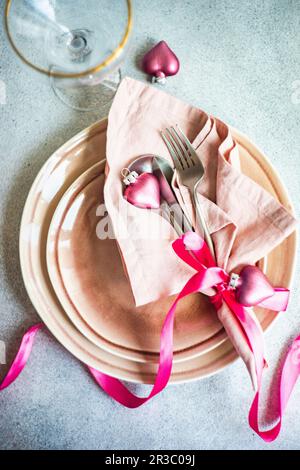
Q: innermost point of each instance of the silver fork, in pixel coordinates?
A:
(190, 172)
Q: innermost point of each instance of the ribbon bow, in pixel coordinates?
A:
(194, 251)
(250, 288)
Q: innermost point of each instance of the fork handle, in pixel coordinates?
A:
(202, 221)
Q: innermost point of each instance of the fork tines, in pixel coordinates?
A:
(179, 147)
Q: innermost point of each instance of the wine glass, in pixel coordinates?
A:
(80, 44)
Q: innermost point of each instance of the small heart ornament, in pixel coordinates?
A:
(142, 190)
(252, 286)
(160, 62)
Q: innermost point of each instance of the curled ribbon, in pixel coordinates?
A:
(194, 251)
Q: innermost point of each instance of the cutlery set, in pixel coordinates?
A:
(148, 181)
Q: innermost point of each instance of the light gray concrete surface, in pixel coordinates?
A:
(240, 61)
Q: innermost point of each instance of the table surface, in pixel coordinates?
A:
(240, 62)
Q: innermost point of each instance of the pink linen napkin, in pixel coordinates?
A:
(244, 220)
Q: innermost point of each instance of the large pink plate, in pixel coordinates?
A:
(56, 176)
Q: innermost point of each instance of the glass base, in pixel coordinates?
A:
(86, 93)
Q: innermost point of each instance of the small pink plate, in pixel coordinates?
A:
(89, 280)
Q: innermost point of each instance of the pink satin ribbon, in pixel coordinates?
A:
(191, 249)
(22, 356)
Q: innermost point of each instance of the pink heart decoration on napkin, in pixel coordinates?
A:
(253, 286)
(144, 192)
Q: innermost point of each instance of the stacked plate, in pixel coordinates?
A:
(76, 280)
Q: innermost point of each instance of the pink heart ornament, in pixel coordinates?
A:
(253, 286)
(160, 62)
(144, 192)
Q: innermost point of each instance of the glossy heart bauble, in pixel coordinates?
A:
(144, 192)
(253, 286)
(160, 62)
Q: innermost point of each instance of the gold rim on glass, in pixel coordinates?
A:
(92, 70)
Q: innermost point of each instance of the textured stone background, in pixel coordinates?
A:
(240, 61)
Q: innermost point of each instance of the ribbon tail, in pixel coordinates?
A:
(22, 356)
(252, 330)
(290, 371)
(278, 301)
(289, 376)
(117, 390)
(238, 339)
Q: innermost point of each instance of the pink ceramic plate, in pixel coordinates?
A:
(56, 176)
